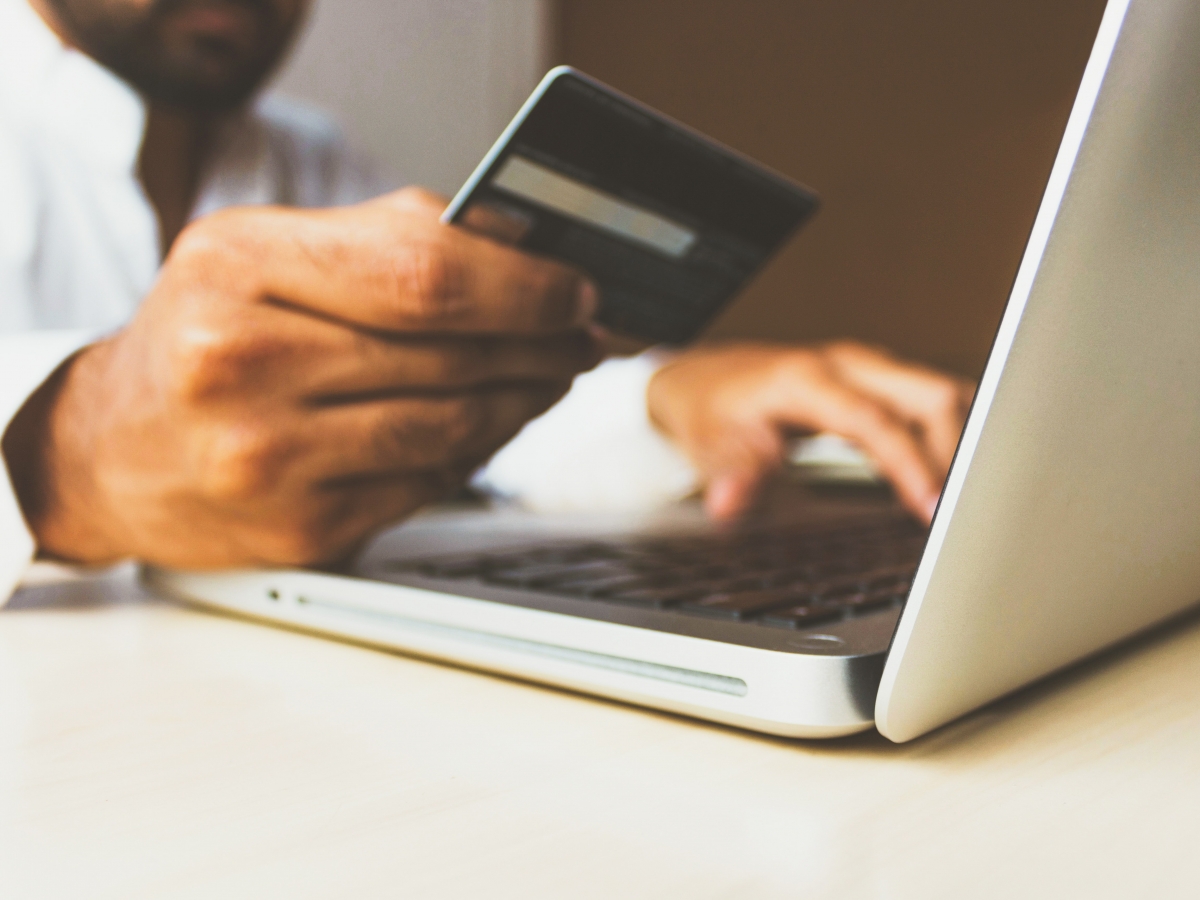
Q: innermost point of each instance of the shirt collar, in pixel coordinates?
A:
(103, 119)
(68, 92)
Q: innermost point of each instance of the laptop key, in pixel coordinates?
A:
(834, 591)
(791, 576)
(738, 606)
(800, 616)
(536, 576)
(788, 580)
(602, 587)
(660, 597)
(879, 598)
(526, 576)
(457, 567)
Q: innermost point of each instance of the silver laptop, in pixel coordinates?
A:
(1070, 520)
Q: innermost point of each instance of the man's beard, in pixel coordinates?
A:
(194, 69)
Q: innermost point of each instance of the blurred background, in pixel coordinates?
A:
(927, 126)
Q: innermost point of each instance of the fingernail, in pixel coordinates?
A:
(587, 302)
(931, 508)
(724, 498)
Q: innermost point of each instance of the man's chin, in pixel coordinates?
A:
(209, 77)
(204, 56)
(234, 24)
(195, 90)
(196, 98)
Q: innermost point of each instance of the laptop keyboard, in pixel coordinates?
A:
(778, 578)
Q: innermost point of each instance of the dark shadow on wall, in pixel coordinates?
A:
(927, 126)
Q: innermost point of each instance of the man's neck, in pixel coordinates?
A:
(173, 149)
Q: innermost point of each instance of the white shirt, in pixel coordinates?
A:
(79, 248)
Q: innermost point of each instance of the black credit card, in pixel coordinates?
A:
(670, 224)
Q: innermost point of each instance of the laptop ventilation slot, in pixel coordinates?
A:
(705, 681)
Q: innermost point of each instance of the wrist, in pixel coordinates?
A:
(659, 407)
(49, 465)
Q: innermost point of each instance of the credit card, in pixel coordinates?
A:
(669, 224)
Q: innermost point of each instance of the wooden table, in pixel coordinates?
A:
(150, 750)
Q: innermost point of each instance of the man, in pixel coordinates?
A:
(299, 373)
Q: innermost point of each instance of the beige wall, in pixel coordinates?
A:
(425, 85)
(928, 127)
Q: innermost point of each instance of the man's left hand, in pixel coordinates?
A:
(731, 409)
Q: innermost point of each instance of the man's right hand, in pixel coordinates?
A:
(295, 381)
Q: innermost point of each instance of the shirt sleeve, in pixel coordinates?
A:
(595, 450)
(26, 361)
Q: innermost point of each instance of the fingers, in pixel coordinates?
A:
(416, 200)
(728, 496)
(736, 462)
(822, 402)
(935, 403)
(349, 363)
(387, 265)
(729, 408)
(364, 506)
(375, 503)
(405, 434)
(500, 224)
(330, 524)
(296, 378)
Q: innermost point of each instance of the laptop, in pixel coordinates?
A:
(1070, 519)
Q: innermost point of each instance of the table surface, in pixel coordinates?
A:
(149, 749)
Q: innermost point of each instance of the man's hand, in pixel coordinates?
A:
(731, 408)
(295, 381)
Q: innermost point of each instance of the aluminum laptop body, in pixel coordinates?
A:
(1070, 519)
